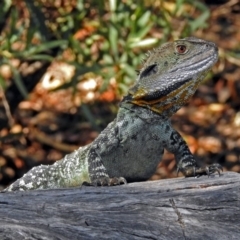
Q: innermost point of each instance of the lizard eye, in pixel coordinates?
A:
(181, 49)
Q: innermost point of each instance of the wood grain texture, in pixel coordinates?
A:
(181, 208)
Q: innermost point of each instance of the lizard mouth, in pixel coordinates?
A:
(203, 65)
(197, 65)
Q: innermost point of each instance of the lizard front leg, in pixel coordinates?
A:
(97, 172)
(106, 143)
(184, 158)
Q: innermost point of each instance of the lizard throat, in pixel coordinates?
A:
(168, 104)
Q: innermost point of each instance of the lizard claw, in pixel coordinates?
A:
(212, 169)
(106, 181)
(199, 171)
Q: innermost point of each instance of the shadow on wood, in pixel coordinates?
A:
(181, 208)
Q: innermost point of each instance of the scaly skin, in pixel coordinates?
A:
(131, 146)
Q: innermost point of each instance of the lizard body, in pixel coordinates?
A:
(130, 148)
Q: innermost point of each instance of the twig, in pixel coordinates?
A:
(7, 108)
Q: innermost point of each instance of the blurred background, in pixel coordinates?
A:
(65, 65)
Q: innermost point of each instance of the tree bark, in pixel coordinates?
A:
(181, 208)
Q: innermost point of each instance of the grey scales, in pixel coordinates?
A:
(130, 148)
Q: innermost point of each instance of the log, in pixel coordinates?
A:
(180, 208)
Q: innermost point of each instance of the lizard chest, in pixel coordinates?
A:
(137, 150)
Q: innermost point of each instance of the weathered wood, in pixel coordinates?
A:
(202, 208)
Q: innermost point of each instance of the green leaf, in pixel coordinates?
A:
(113, 5)
(18, 81)
(144, 43)
(2, 82)
(37, 19)
(40, 57)
(137, 36)
(30, 35)
(201, 21)
(4, 7)
(143, 20)
(107, 59)
(179, 4)
(45, 46)
(123, 58)
(113, 39)
(129, 70)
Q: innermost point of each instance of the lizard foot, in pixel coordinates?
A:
(106, 181)
(199, 171)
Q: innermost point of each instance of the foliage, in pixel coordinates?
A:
(103, 37)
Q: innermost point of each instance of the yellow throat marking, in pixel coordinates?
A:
(157, 105)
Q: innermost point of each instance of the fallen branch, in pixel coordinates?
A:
(180, 208)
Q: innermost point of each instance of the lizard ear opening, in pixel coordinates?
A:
(151, 69)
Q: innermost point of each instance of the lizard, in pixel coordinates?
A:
(130, 148)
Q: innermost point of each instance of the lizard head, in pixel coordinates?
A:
(172, 73)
